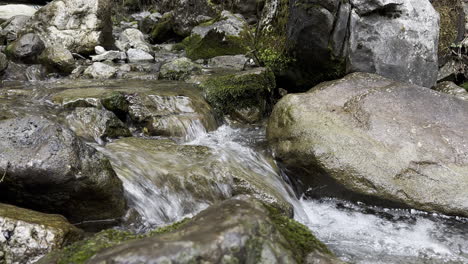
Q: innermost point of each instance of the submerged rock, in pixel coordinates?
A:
(199, 174)
(378, 139)
(77, 25)
(179, 69)
(47, 168)
(239, 230)
(157, 108)
(26, 235)
(96, 124)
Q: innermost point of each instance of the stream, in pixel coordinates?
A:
(355, 232)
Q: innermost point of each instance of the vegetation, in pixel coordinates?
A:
(450, 17)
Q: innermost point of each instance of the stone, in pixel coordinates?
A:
(99, 70)
(99, 50)
(400, 43)
(452, 89)
(96, 124)
(111, 55)
(28, 235)
(368, 138)
(148, 22)
(77, 25)
(157, 108)
(3, 62)
(217, 39)
(179, 69)
(12, 27)
(47, 168)
(132, 38)
(231, 92)
(236, 62)
(26, 49)
(138, 55)
(246, 232)
(57, 59)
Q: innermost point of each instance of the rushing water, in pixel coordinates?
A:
(355, 232)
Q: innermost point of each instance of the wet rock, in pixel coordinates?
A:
(237, 62)
(452, 89)
(24, 72)
(157, 108)
(3, 62)
(78, 26)
(200, 174)
(373, 139)
(138, 55)
(47, 168)
(234, 91)
(111, 55)
(246, 232)
(220, 38)
(57, 59)
(132, 38)
(28, 235)
(96, 124)
(100, 70)
(179, 69)
(26, 49)
(12, 27)
(35, 72)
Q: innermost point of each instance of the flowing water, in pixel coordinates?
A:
(354, 232)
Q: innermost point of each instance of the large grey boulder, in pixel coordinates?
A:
(324, 40)
(11, 10)
(27, 235)
(239, 230)
(47, 168)
(396, 39)
(77, 25)
(132, 38)
(381, 140)
(57, 59)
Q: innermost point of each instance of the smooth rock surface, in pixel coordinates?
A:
(378, 139)
(99, 70)
(48, 168)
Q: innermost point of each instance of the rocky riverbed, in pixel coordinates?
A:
(233, 131)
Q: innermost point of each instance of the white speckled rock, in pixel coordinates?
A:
(100, 70)
(138, 55)
(26, 236)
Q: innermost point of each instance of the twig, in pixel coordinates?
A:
(4, 174)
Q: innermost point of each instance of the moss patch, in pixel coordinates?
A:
(235, 91)
(81, 251)
(450, 17)
(212, 45)
(302, 241)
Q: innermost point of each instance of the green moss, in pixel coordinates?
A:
(163, 30)
(302, 241)
(235, 91)
(115, 102)
(212, 45)
(464, 85)
(450, 12)
(81, 251)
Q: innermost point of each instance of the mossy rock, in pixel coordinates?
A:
(451, 25)
(233, 91)
(164, 30)
(81, 251)
(212, 45)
